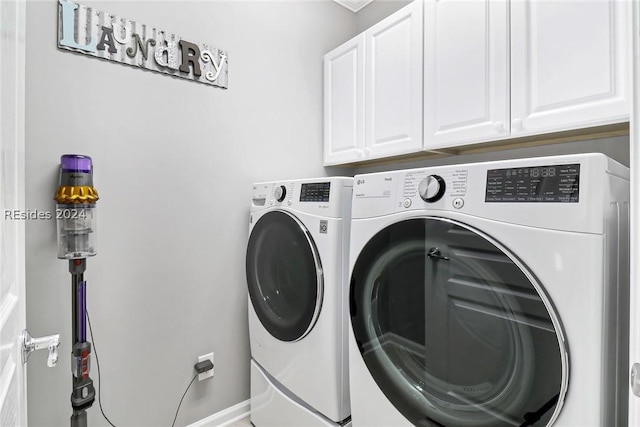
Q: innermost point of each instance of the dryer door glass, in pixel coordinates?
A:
(284, 276)
(453, 330)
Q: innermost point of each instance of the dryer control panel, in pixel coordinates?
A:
(557, 192)
(549, 184)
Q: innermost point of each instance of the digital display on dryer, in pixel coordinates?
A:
(546, 184)
(315, 192)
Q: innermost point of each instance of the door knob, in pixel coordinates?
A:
(635, 379)
(49, 342)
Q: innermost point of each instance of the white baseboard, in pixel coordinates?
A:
(227, 416)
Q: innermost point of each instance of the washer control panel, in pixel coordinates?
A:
(315, 192)
(325, 196)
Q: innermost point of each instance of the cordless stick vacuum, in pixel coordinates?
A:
(76, 229)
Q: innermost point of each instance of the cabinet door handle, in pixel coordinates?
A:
(359, 152)
(498, 126)
(367, 151)
(516, 124)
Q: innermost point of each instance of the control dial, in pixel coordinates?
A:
(280, 192)
(432, 188)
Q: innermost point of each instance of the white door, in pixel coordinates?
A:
(466, 73)
(634, 332)
(393, 80)
(13, 390)
(569, 64)
(344, 102)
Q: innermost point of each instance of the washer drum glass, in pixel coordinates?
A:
(284, 276)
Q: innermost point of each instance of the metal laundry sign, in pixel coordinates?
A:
(92, 32)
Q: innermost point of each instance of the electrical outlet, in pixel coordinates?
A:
(208, 374)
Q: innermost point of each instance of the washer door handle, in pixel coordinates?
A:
(436, 254)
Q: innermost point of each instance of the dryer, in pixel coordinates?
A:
(491, 294)
(297, 270)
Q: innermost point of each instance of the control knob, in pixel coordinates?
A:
(280, 193)
(432, 188)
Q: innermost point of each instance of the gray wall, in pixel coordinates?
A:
(174, 162)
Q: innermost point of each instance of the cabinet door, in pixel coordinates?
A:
(393, 76)
(466, 72)
(570, 65)
(344, 102)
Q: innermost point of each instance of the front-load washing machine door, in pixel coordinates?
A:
(284, 276)
(454, 330)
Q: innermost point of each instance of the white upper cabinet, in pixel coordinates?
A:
(568, 61)
(492, 70)
(569, 64)
(344, 102)
(393, 82)
(373, 91)
(466, 71)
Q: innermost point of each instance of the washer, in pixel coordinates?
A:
(297, 270)
(491, 294)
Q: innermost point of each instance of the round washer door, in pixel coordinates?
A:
(454, 330)
(284, 276)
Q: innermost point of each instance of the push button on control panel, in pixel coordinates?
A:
(406, 203)
(458, 203)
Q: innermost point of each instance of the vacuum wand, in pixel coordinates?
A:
(76, 212)
(83, 393)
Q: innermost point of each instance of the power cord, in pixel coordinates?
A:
(95, 350)
(185, 393)
(200, 368)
